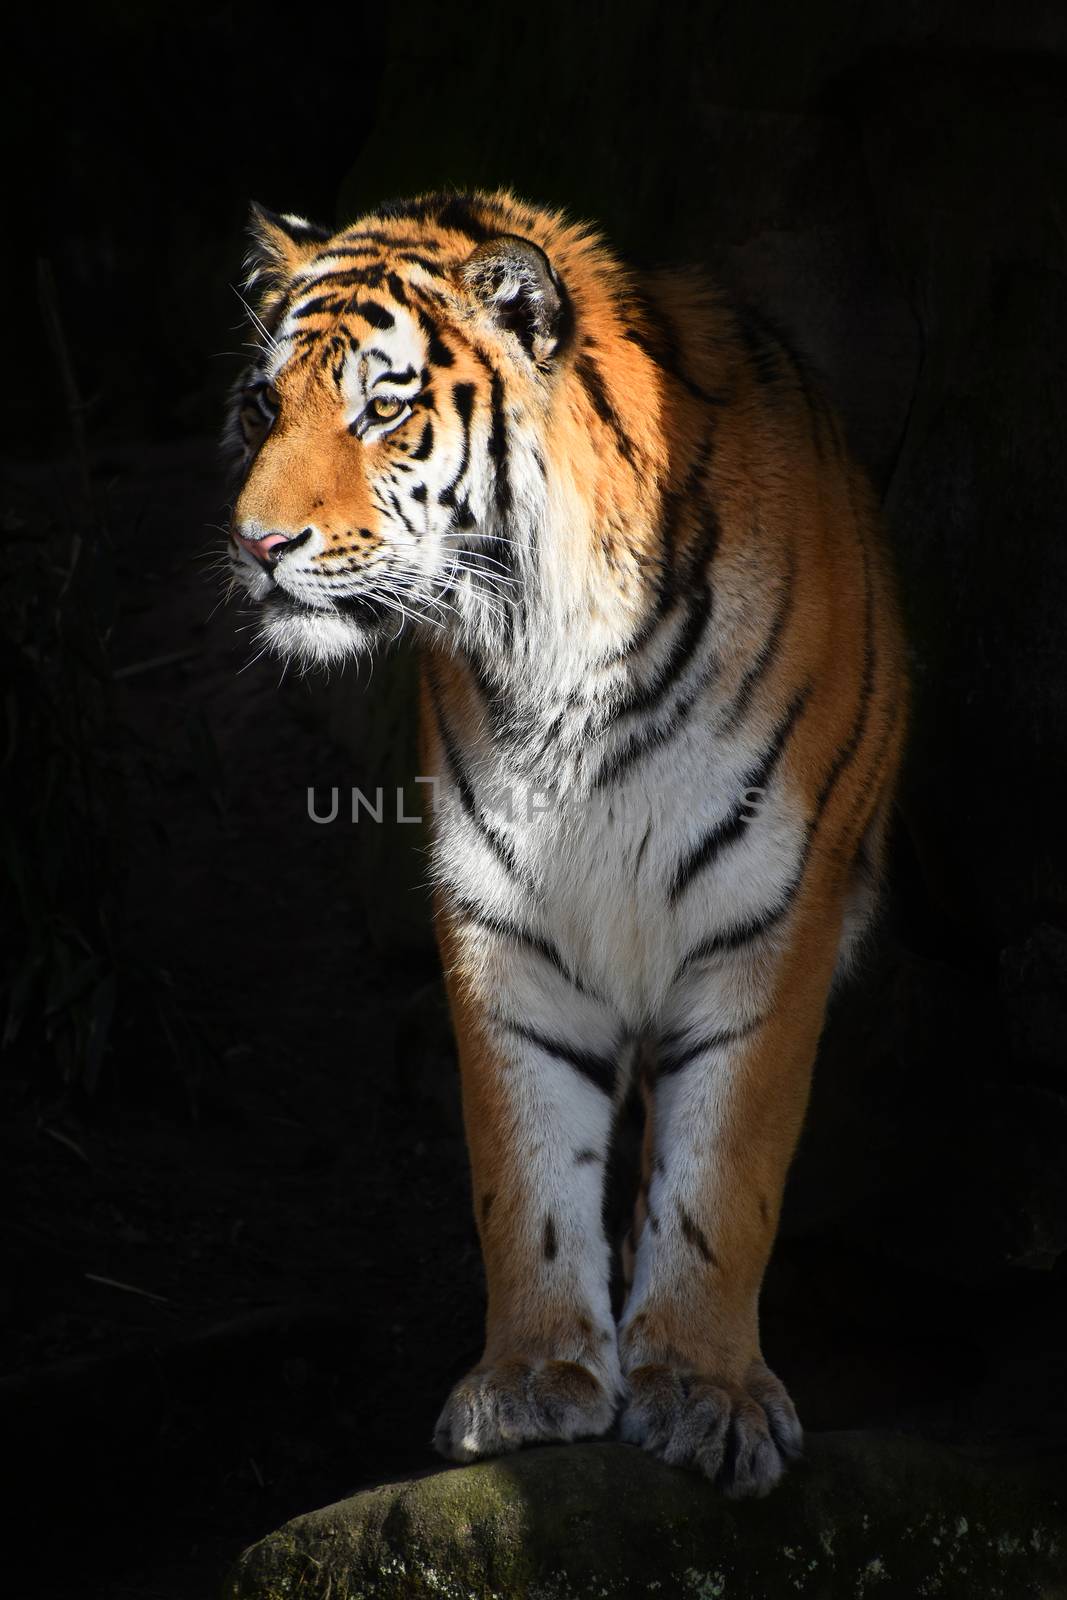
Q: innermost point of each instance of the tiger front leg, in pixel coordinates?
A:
(538, 1068)
(728, 1102)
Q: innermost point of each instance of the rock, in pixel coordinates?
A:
(866, 1514)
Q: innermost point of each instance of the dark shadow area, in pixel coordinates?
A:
(240, 1271)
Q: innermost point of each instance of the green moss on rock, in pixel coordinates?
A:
(870, 1516)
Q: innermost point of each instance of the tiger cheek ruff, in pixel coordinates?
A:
(656, 620)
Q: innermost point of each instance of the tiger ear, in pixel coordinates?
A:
(518, 285)
(280, 245)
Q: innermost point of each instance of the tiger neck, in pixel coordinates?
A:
(569, 649)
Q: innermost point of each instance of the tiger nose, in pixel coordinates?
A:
(268, 548)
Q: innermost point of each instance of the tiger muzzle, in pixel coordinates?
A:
(269, 548)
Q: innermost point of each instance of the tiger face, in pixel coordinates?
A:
(386, 433)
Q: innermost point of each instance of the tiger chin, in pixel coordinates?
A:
(663, 699)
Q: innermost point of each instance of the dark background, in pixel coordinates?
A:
(240, 1271)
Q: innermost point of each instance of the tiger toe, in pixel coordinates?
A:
(498, 1409)
(741, 1437)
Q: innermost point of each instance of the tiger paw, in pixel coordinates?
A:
(500, 1408)
(740, 1436)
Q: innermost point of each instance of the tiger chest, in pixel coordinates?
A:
(596, 871)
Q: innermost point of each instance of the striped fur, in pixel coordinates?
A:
(664, 697)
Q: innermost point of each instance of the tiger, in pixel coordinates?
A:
(662, 705)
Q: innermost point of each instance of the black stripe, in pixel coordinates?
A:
(396, 288)
(321, 305)
(846, 752)
(436, 349)
(363, 607)
(874, 786)
(518, 935)
(487, 689)
(730, 939)
(589, 375)
(638, 746)
(695, 1236)
(456, 214)
(502, 848)
(422, 450)
(463, 399)
(767, 344)
(649, 347)
(550, 1244)
(394, 241)
(645, 697)
(340, 277)
(395, 503)
(642, 847)
(742, 933)
(599, 1070)
(497, 548)
(413, 210)
(447, 210)
(732, 826)
(766, 654)
(348, 252)
(706, 547)
(435, 268)
(548, 735)
(372, 312)
(498, 446)
(764, 349)
(674, 502)
(304, 336)
(680, 499)
(659, 341)
(675, 1054)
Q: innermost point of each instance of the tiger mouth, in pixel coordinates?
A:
(361, 608)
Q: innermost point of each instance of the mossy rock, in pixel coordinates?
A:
(867, 1515)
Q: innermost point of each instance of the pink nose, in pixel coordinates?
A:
(269, 546)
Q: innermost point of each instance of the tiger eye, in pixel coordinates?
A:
(386, 410)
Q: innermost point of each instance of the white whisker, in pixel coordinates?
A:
(491, 579)
(258, 323)
(258, 655)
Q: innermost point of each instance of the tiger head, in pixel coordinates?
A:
(397, 434)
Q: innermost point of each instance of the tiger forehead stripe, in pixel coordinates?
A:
(353, 239)
(365, 264)
(344, 277)
(371, 311)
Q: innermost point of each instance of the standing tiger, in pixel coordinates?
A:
(662, 701)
